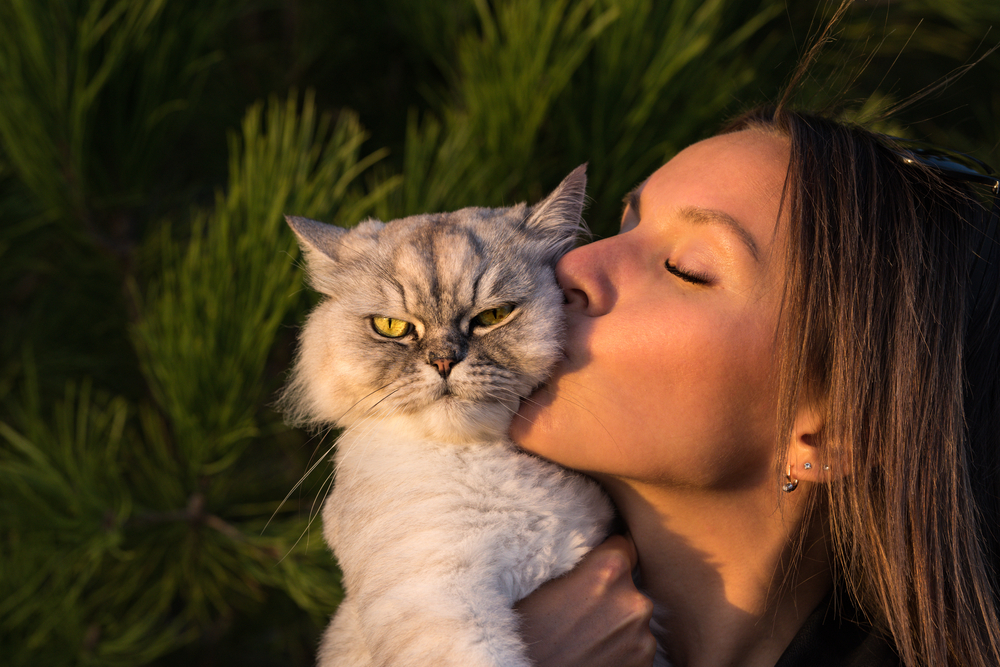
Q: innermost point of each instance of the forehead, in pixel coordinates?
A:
(741, 174)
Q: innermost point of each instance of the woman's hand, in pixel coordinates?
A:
(592, 616)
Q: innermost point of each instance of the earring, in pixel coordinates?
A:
(807, 465)
(791, 484)
(826, 467)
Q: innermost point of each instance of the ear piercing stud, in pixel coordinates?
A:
(790, 484)
(807, 465)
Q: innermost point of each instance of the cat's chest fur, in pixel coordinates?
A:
(482, 511)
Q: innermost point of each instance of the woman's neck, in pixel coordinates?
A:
(720, 566)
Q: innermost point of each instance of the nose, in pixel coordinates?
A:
(444, 354)
(443, 365)
(586, 277)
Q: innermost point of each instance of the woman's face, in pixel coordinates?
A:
(669, 376)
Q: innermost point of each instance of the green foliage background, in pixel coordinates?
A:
(149, 290)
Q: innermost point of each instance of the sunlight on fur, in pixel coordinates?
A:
(433, 329)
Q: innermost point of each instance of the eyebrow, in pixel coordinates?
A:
(712, 216)
(631, 200)
(699, 215)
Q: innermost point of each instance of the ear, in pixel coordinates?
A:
(811, 457)
(559, 217)
(318, 240)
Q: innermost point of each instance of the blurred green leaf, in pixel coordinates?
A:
(209, 319)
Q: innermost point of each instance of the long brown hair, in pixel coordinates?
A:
(887, 319)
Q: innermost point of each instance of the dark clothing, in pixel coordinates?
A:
(832, 638)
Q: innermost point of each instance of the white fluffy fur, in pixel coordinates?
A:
(439, 523)
(437, 541)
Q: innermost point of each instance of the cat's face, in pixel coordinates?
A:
(445, 320)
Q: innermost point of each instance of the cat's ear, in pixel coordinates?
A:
(319, 241)
(559, 217)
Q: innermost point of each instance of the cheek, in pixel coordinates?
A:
(706, 403)
(528, 347)
(673, 396)
(343, 363)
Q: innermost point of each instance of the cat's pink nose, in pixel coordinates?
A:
(443, 366)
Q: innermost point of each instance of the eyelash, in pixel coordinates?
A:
(692, 278)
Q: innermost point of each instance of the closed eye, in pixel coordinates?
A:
(686, 276)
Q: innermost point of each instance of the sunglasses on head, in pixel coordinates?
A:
(963, 168)
(949, 164)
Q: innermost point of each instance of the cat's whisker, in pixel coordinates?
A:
(503, 398)
(317, 504)
(577, 404)
(530, 401)
(358, 402)
(302, 479)
(320, 436)
(325, 454)
(371, 425)
(327, 485)
(599, 395)
(324, 488)
(384, 397)
(363, 422)
(328, 482)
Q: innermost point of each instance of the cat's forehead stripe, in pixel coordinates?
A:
(438, 267)
(414, 262)
(399, 290)
(459, 260)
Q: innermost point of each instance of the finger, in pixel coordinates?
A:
(625, 543)
(614, 559)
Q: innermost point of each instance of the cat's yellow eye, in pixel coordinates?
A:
(390, 327)
(488, 318)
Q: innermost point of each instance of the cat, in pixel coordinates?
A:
(433, 329)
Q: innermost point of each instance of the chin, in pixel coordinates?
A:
(525, 426)
(459, 420)
(520, 426)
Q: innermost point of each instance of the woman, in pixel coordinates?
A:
(784, 372)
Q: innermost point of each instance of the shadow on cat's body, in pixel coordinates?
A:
(435, 327)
